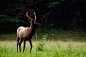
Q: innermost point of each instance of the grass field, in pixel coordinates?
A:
(50, 49)
(53, 34)
(58, 43)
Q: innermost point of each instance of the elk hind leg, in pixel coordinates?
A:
(17, 43)
(24, 45)
(20, 45)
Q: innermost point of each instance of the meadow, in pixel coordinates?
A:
(57, 43)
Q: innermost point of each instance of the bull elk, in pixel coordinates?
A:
(26, 33)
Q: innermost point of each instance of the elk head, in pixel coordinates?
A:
(33, 21)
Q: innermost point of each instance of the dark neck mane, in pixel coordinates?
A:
(33, 29)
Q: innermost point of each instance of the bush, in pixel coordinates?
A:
(41, 44)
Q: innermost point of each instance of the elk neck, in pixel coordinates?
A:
(33, 29)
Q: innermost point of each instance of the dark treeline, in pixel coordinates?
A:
(64, 14)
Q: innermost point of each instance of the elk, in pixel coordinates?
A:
(26, 33)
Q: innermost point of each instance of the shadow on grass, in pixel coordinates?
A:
(53, 34)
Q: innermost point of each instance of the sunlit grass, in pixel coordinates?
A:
(58, 43)
(51, 49)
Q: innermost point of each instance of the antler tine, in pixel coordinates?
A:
(35, 15)
(28, 16)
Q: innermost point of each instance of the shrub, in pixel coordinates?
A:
(41, 44)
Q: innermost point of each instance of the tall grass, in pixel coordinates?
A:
(51, 49)
(59, 43)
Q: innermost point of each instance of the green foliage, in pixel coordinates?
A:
(59, 46)
(41, 44)
(8, 24)
(9, 10)
(22, 7)
(69, 48)
(61, 10)
(73, 1)
(62, 0)
(53, 4)
(5, 19)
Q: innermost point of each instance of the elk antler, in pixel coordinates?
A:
(28, 16)
(35, 15)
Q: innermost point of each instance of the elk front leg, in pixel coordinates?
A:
(30, 45)
(20, 45)
(24, 45)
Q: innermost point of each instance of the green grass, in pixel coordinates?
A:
(53, 34)
(59, 43)
(51, 49)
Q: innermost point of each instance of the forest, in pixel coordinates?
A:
(58, 14)
(62, 32)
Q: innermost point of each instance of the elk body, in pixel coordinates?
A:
(26, 33)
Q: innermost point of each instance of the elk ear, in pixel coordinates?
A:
(30, 20)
